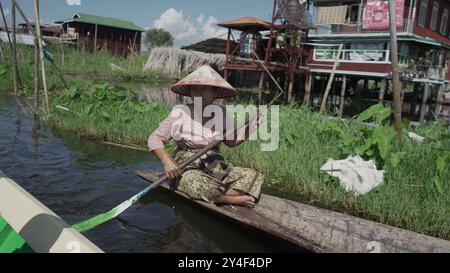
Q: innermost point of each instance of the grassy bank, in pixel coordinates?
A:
(81, 69)
(415, 194)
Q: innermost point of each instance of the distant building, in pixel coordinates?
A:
(47, 30)
(423, 28)
(96, 33)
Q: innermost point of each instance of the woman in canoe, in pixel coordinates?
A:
(209, 178)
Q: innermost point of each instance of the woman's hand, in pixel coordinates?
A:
(171, 169)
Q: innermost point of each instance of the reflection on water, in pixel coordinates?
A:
(78, 178)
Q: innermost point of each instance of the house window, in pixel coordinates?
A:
(423, 12)
(353, 14)
(434, 15)
(444, 22)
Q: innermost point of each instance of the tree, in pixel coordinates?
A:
(158, 37)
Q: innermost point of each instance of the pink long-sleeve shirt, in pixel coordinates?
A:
(186, 131)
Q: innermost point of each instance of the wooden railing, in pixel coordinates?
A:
(356, 28)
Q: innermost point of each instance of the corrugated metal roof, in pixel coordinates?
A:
(103, 21)
(246, 23)
(213, 45)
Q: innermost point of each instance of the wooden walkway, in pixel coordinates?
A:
(318, 230)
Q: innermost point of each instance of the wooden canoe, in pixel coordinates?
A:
(315, 229)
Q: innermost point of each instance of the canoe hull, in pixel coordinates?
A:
(319, 230)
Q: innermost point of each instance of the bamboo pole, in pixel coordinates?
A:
(39, 38)
(36, 64)
(330, 80)
(61, 77)
(14, 46)
(36, 81)
(395, 72)
(6, 26)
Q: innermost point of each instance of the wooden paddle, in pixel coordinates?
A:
(111, 214)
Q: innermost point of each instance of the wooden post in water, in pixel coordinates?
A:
(342, 98)
(36, 77)
(382, 91)
(308, 84)
(330, 80)
(395, 72)
(39, 38)
(14, 48)
(36, 82)
(36, 63)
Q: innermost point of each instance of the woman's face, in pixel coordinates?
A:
(204, 92)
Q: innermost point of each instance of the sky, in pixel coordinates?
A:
(187, 20)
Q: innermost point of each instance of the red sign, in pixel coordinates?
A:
(376, 14)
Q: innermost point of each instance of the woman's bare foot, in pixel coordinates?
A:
(240, 200)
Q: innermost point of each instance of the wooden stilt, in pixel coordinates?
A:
(36, 81)
(261, 80)
(342, 98)
(439, 100)
(395, 72)
(39, 38)
(95, 45)
(285, 87)
(382, 91)
(290, 88)
(402, 95)
(308, 84)
(330, 80)
(423, 107)
(14, 46)
(365, 87)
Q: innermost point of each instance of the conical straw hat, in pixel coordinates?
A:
(205, 76)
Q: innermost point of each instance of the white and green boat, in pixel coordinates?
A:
(26, 225)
